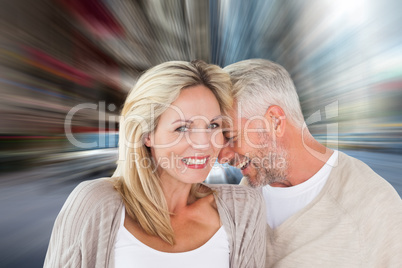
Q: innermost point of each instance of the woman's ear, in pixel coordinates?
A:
(147, 140)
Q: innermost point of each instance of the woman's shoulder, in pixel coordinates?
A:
(85, 221)
(98, 189)
(242, 212)
(91, 195)
(237, 194)
(234, 189)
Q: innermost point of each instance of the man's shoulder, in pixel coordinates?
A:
(354, 172)
(355, 185)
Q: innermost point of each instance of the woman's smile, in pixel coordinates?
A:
(196, 162)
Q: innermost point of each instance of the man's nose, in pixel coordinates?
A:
(226, 154)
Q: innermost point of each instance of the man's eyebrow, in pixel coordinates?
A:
(229, 131)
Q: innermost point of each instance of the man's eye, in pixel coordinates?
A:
(229, 139)
(182, 129)
(213, 126)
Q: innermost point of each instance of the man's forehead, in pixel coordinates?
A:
(235, 123)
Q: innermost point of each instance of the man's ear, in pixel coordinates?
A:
(277, 118)
(147, 140)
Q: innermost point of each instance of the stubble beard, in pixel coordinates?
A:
(271, 166)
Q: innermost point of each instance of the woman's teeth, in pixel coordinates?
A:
(190, 161)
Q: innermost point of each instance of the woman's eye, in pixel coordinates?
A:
(213, 126)
(182, 129)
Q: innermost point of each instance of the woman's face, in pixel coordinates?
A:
(188, 137)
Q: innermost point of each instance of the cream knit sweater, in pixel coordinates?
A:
(85, 229)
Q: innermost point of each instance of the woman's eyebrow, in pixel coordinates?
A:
(191, 121)
(184, 121)
(216, 118)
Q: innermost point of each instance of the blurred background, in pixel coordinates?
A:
(67, 65)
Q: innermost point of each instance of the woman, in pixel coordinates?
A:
(154, 211)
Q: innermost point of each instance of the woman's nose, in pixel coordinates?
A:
(199, 139)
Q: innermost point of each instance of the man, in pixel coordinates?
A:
(324, 208)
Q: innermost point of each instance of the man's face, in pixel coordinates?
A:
(252, 147)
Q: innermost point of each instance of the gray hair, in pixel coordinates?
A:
(259, 83)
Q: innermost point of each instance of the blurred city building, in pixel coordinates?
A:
(67, 65)
(59, 55)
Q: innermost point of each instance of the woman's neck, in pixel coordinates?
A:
(177, 195)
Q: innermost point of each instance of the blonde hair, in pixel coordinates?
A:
(156, 89)
(259, 83)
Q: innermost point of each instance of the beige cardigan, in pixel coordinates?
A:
(85, 230)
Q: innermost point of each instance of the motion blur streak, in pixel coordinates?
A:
(59, 56)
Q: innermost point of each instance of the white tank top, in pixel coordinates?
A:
(130, 252)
